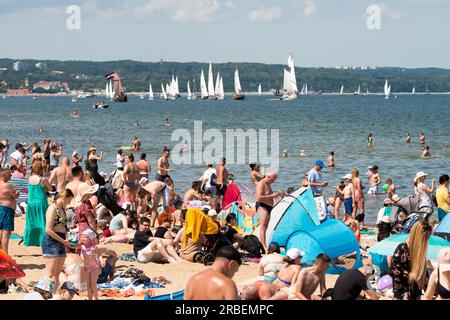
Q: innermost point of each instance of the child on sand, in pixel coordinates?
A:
(91, 262)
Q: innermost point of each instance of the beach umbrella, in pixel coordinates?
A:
(8, 267)
(387, 246)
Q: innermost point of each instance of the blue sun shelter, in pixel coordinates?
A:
(294, 223)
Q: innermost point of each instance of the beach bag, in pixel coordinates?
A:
(253, 246)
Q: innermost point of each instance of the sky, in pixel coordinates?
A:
(411, 33)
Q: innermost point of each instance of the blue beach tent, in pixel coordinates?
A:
(295, 223)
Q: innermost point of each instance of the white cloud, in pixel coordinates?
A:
(309, 8)
(197, 11)
(265, 14)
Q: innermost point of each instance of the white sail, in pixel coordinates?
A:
(237, 83)
(389, 89)
(111, 89)
(303, 90)
(177, 88)
(286, 81)
(414, 90)
(189, 94)
(217, 89)
(259, 90)
(306, 89)
(211, 93)
(151, 96)
(107, 90)
(203, 88)
(359, 90)
(163, 92)
(386, 89)
(342, 91)
(221, 92)
(292, 72)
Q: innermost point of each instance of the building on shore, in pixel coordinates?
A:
(18, 92)
(51, 85)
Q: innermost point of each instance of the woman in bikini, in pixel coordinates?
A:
(286, 276)
(131, 177)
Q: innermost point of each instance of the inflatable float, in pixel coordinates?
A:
(129, 148)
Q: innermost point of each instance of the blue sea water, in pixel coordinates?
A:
(316, 124)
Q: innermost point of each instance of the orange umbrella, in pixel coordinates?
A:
(8, 267)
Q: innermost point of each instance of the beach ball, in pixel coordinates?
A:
(385, 188)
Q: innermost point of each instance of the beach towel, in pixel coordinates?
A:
(197, 223)
(8, 267)
(176, 296)
(22, 186)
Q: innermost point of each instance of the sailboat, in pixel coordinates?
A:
(176, 88)
(203, 88)
(217, 88)
(189, 94)
(238, 94)
(220, 94)
(119, 92)
(427, 92)
(211, 93)
(151, 96)
(387, 89)
(414, 90)
(306, 89)
(342, 91)
(259, 90)
(357, 92)
(290, 81)
(194, 92)
(163, 92)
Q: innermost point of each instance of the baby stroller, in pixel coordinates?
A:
(410, 210)
(208, 254)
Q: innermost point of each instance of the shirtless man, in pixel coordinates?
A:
(163, 165)
(349, 196)
(144, 166)
(330, 160)
(192, 193)
(422, 138)
(8, 196)
(264, 204)
(131, 179)
(307, 282)
(375, 181)
(77, 179)
(61, 175)
(216, 282)
(222, 176)
(158, 190)
(136, 144)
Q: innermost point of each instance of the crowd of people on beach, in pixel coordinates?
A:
(74, 211)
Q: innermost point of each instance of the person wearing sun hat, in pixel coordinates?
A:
(86, 203)
(315, 178)
(43, 290)
(440, 277)
(422, 191)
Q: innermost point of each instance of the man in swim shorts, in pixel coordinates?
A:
(163, 165)
(216, 282)
(375, 181)
(8, 196)
(264, 204)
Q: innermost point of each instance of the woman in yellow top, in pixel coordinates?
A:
(443, 196)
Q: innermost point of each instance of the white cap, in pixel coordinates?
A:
(212, 213)
(294, 253)
(347, 177)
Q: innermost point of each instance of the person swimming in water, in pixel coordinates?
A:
(370, 140)
(407, 138)
(284, 154)
(302, 153)
(41, 130)
(166, 122)
(426, 151)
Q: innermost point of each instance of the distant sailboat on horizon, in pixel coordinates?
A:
(211, 89)
(238, 94)
(342, 91)
(163, 92)
(259, 90)
(189, 93)
(290, 81)
(387, 89)
(151, 96)
(203, 87)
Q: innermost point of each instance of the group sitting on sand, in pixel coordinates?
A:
(73, 214)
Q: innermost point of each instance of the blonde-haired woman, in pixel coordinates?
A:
(409, 263)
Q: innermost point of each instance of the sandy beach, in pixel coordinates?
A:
(33, 264)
